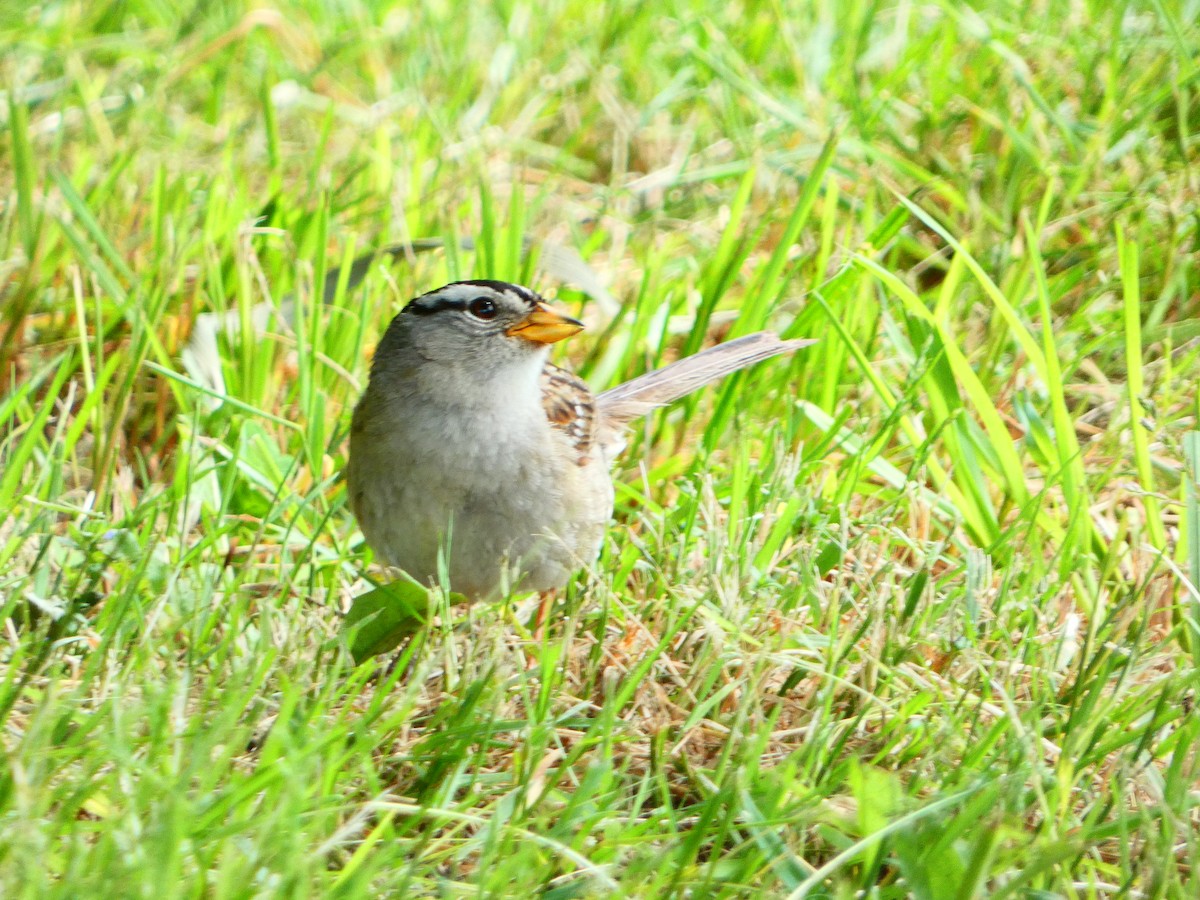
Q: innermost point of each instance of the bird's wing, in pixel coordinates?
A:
(571, 408)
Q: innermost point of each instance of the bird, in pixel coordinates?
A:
(475, 460)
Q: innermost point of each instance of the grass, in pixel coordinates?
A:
(914, 614)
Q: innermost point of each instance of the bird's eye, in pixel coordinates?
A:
(482, 308)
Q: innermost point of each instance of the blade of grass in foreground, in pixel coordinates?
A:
(1127, 251)
(722, 266)
(1080, 531)
(1191, 489)
(29, 439)
(1002, 444)
(767, 289)
(22, 162)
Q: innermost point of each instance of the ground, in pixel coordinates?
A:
(913, 614)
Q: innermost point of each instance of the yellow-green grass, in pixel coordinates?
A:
(913, 614)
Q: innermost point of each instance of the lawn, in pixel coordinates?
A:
(911, 614)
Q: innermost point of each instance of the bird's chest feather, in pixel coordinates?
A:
(475, 460)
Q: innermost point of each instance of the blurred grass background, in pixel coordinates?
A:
(914, 614)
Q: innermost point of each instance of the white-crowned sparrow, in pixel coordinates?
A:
(473, 456)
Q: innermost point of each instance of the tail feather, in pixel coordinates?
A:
(627, 401)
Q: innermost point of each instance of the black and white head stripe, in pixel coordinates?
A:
(459, 294)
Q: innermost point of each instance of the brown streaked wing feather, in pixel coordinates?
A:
(570, 407)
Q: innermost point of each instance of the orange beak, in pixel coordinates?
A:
(545, 326)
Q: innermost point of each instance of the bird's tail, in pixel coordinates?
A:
(627, 401)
